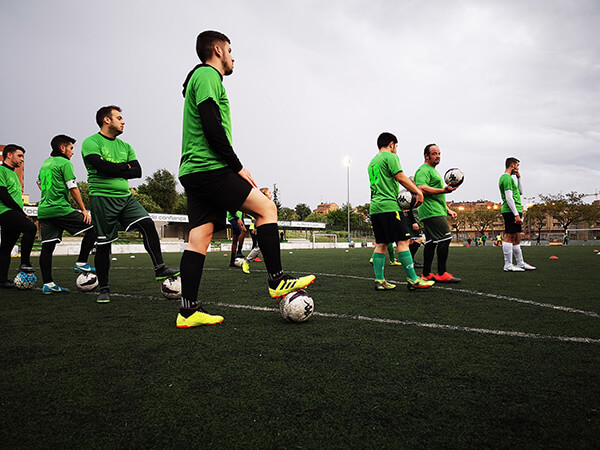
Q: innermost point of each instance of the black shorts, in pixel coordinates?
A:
(51, 230)
(510, 226)
(390, 227)
(211, 194)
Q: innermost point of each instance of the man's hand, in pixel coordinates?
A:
(415, 226)
(241, 225)
(518, 220)
(86, 217)
(246, 176)
(419, 199)
(449, 189)
(452, 214)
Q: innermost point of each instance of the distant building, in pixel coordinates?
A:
(325, 208)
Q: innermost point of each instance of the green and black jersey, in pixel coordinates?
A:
(56, 178)
(384, 186)
(111, 150)
(433, 205)
(10, 180)
(197, 153)
(507, 183)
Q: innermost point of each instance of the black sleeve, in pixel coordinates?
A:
(210, 117)
(134, 172)
(115, 170)
(8, 201)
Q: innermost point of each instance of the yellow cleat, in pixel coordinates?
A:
(245, 267)
(382, 285)
(395, 263)
(287, 284)
(197, 319)
(419, 283)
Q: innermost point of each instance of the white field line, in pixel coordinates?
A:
(421, 324)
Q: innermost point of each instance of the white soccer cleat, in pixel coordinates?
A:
(526, 266)
(513, 268)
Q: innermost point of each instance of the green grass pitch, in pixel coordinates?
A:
(502, 360)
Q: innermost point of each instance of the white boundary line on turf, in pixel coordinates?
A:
(519, 334)
(482, 294)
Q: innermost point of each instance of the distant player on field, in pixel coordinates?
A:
(512, 212)
(13, 220)
(238, 234)
(57, 181)
(110, 162)
(215, 181)
(433, 214)
(389, 224)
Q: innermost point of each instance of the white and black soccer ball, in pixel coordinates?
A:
(86, 281)
(25, 280)
(238, 262)
(406, 199)
(171, 288)
(454, 177)
(296, 306)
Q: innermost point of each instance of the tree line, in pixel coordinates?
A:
(158, 194)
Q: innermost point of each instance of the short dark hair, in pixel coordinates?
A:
(205, 42)
(510, 161)
(384, 140)
(57, 141)
(11, 148)
(105, 111)
(428, 148)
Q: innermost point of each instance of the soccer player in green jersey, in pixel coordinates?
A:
(433, 214)
(389, 224)
(13, 220)
(57, 182)
(110, 162)
(215, 180)
(512, 213)
(238, 231)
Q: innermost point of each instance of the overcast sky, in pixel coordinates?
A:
(315, 81)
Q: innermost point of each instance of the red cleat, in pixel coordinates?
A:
(446, 278)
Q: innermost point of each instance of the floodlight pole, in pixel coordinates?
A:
(348, 163)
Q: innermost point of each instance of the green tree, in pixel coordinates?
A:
(84, 189)
(484, 218)
(285, 213)
(146, 201)
(338, 219)
(161, 187)
(302, 210)
(568, 209)
(316, 217)
(180, 206)
(537, 217)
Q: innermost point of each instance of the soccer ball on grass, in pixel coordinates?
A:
(25, 280)
(86, 282)
(296, 306)
(171, 288)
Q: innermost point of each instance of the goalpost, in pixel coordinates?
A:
(326, 244)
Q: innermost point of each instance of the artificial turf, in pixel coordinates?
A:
(370, 369)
